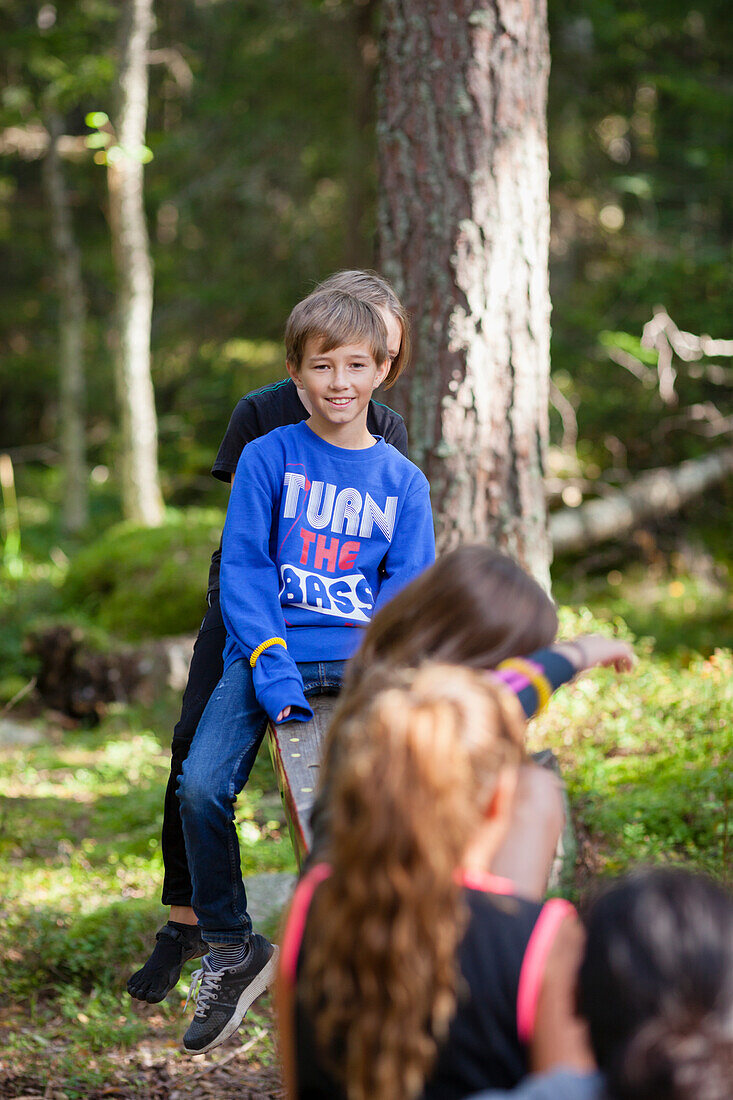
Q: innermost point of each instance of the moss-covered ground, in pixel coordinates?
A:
(80, 876)
(648, 760)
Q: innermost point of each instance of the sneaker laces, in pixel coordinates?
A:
(208, 982)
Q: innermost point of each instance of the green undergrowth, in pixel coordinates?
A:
(647, 756)
(125, 583)
(80, 879)
(80, 863)
(136, 582)
(686, 613)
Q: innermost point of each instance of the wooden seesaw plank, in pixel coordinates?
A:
(296, 749)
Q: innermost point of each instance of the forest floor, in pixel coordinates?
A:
(648, 762)
(79, 874)
(243, 1068)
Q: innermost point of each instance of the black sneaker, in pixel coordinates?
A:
(173, 947)
(225, 995)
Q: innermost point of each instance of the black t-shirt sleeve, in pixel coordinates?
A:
(381, 420)
(396, 434)
(242, 429)
(254, 415)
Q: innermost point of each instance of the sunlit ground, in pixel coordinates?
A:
(647, 759)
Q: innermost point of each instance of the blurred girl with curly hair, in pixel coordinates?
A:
(408, 969)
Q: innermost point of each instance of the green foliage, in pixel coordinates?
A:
(685, 614)
(22, 601)
(265, 160)
(30, 594)
(136, 581)
(639, 117)
(80, 865)
(262, 182)
(248, 197)
(648, 757)
(86, 950)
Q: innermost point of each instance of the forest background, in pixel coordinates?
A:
(262, 180)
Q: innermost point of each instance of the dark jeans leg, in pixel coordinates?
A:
(204, 674)
(215, 770)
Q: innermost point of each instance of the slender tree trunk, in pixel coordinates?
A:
(72, 318)
(464, 228)
(141, 495)
(358, 250)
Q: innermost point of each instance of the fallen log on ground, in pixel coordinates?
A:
(653, 494)
(79, 679)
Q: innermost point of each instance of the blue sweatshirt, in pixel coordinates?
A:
(316, 539)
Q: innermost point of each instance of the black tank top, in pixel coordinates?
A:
(501, 962)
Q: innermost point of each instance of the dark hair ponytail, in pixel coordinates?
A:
(686, 1057)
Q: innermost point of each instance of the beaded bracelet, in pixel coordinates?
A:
(257, 653)
(537, 679)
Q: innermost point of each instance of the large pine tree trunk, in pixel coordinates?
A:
(464, 228)
(141, 496)
(72, 317)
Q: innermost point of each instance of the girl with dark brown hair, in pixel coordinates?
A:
(478, 608)
(656, 989)
(408, 969)
(474, 606)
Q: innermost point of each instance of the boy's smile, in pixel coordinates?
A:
(338, 385)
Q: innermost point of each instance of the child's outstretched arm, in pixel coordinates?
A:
(250, 587)
(533, 679)
(538, 815)
(596, 651)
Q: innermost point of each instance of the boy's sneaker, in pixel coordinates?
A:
(225, 995)
(175, 944)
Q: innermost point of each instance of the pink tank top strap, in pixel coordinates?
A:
(554, 912)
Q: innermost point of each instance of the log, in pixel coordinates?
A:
(78, 679)
(296, 749)
(655, 493)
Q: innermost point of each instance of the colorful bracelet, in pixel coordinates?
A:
(536, 677)
(257, 653)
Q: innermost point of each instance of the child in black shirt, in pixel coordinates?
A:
(255, 415)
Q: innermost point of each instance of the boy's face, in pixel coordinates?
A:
(338, 385)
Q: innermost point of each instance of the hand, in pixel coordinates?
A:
(595, 650)
(283, 715)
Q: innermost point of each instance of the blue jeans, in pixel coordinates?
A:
(218, 764)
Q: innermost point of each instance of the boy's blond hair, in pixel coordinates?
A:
(336, 318)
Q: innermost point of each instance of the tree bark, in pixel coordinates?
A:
(653, 494)
(72, 319)
(141, 495)
(464, 229)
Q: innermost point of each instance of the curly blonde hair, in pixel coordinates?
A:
(411, 763)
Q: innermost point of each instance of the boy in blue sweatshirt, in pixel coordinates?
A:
(325, 523)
